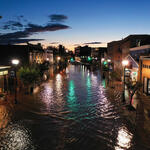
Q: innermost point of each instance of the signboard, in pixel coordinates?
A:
(3, 72)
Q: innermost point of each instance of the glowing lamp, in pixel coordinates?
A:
(15, 61)
(125, 62)
(58, 58)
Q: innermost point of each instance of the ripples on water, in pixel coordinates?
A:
(75, 111)
(15, 137)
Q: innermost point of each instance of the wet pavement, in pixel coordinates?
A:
(72, 111)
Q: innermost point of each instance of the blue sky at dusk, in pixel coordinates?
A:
(86, 21)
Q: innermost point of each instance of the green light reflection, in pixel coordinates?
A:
(104, 83)
(71, 98)
(88, 84)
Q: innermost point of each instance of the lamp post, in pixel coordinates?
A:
(15, 62)
(124, 63)
(58, 58)
(108, 60)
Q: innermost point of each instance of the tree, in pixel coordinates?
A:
(0, 17)
(133, 87)
(116, 75)
(29, 76)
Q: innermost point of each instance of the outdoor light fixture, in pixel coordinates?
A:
(102, 59)
(108, 60)
(125, 62)
(15, 61)
(58, 58)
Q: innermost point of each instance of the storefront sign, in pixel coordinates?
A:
(3, 72)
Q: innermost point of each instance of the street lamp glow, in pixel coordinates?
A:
(108, 60)
(15, 61)
(102, 59)
(58, 58)
(125, 62)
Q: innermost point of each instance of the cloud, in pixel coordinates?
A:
(76, 45)
(17, 41)
(20, 17)
(58, 18)
(93, 43)
(49, 27)
(12, 25)
(15, 35)
(24, 29)
(54, 43)
(30, 30)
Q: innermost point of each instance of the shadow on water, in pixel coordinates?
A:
(73, 110)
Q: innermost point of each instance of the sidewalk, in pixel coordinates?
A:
(6, 111)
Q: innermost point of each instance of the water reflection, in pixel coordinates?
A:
(59, 85)
(71, 98)
(124, 139)
(80, 114)
(15, 137)
(88, 85)
(47, 97)
(5, 115)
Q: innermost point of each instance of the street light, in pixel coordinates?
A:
(58, 58)
(124, 63)
(15, 62)
(102, 59)
(109, 60)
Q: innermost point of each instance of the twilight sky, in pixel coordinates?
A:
(72, 22)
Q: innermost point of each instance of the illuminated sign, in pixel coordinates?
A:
(3, 73)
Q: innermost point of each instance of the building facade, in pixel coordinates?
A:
(27, 54)
(144, 74)
(118, 50)
(4, 72)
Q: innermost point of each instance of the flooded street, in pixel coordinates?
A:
(71, 111)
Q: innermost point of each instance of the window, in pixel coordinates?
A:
(148, 87)
(145, 85)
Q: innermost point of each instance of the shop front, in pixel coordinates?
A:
(146, 85)
(4, 78)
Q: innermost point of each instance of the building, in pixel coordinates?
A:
(118, 50)
(49, 56)
(132, 67)
(144, 73)
(4, 71)
(98, 52)
(143, 50)
(115, 54)
(27, 54)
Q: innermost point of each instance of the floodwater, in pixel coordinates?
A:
(72, 111)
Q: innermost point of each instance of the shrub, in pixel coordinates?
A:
(29, 75)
